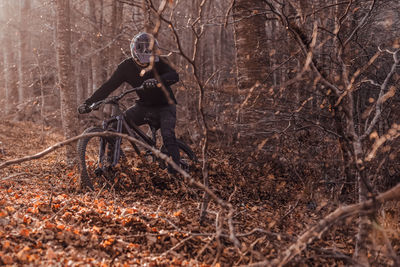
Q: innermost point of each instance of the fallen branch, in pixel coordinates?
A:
(176, 246)
(317, 230)
(13, 175)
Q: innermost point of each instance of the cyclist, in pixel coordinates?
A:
(156, 101)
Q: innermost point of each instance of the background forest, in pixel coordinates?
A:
(290, 104)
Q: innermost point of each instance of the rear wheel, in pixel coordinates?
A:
(93, 168)
(187, 156)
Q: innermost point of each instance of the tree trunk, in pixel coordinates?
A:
(11, 75)
(364, 228)
(10, 69)
(363, 182)
(24, 52)
(98, 61)
(116, 23)
(250, 42)
(67, 90)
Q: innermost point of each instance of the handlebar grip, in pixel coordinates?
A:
(95, 106)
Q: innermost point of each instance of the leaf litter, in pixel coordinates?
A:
(150, 218)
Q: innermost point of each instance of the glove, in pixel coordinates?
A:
(150, 83)
(84, 108)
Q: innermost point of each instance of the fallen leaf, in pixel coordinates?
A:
(24, 232)
(7, 259)
(178, 213)
(50, 254)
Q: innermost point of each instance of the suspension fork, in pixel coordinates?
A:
(102, 148)
(117, 145)
(117, 141)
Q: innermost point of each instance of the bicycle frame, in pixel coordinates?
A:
(132, 130)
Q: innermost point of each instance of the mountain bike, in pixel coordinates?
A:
(99, 155)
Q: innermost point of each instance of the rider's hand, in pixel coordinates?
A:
(84, 108)
(150, 83)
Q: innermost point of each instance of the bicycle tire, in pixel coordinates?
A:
(84, 161)
(186, 153)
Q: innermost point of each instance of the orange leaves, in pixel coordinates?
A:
(133, 246)
(100, 204)
(7, 259)
(6, 245)
(49, 225)
(178, 213)
(131, 211)
(75, 208)
(27, 220)
(108, 242)
(3, 213)
(32, 210)
(25, 232)
(96, 229)
(23, 255)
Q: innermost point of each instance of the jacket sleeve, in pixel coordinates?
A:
(168, 75)
(116, 79)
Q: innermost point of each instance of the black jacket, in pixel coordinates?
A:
(128, 71)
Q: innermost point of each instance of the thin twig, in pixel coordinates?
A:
(13, 175)
(176, 246)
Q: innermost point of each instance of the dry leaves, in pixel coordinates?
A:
(44, 220)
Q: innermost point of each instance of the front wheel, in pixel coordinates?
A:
(93, 157)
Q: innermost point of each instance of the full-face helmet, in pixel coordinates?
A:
(142, 47)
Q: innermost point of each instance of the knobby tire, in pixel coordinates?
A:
(85, 180)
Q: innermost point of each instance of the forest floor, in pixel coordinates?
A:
(154, 221)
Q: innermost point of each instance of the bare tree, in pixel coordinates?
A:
(25, 53)
(67, 90)
(250, 39)
(10, 59)
(98, 61)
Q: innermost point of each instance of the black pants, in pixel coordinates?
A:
(165, 117)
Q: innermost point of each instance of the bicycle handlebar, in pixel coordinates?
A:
(113, 99)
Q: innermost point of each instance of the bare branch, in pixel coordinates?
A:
(361, 24)
(382, 95)
(350, 84)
